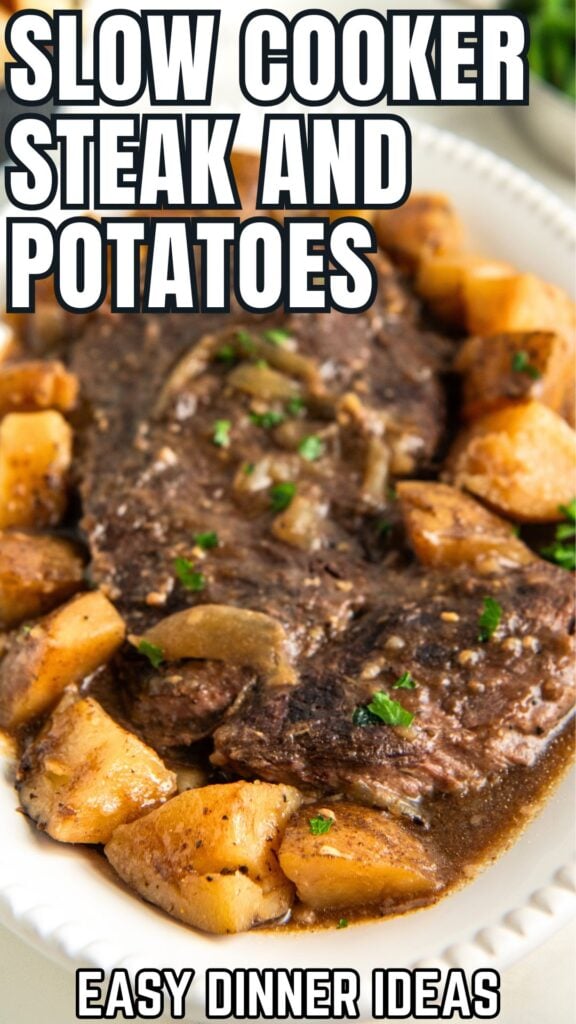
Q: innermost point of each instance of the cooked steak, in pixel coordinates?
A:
(152, 476)
(176, 705)
(478, 707)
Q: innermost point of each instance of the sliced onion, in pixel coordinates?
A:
(376, 472)
(301, 523)
(190, 366)
(263, 382)
(222, 632)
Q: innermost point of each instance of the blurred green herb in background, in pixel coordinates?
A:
(552, 40)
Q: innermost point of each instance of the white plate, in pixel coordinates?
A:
(67, 902)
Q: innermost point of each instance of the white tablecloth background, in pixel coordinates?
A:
(540, 989)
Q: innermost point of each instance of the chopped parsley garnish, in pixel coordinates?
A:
(281, 495)
(405, 682)
(294, 405)
(521, 364)
(383, 528)
(267, 420)
(320, 825)
(206, 540)
(563, 549)
(489, 620)
(26, 629)
(277, 336)
(382, 709)
(188, 575)
(221, 433)
(226, 354)
(342, 923)
(261, 364)
(247, 343)
(151, 651)
(249, 468)
(311, 448)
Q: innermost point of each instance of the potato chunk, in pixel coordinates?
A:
(36, 574)
(209, 856)
(29, 387)
(57, 651)
(521, 460)
(365, 857)
(521, 366)
(424, 225)
(441, 278)
(446, 528)
(35, 453)
(522, 302)
(84, 775)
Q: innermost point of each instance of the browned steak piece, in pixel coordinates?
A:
(478, 707)
(177, 704)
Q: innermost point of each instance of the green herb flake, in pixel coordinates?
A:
(249, 468)
(188, 575)
(383, 528)
(521, 364)
(563, 549)
(281, 495)
(246, 342)
(382, 709)
(267, 420)
(342, 923)
(151, 651)
(294, 406)
(221, 433)
(206, 540)
(405, 682)
(320, 825)
(311, 448)
(489, 619)
(277, 336)
(26, 629)
(226, 354)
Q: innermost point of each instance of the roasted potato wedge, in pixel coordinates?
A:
(520, 460)
(33, 386)
(365, 857)
(521, 366)
(447, 528)
(425, 225)
(36, 574)
(521, 302)
(35, 454)
(195, 855)
(440, 281)
(57, 651)
(84, 775)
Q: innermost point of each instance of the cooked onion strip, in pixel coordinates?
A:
(224, 633)
(263, 382)
(191, 365)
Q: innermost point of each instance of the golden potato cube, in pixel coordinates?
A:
(35, 454)
(36, 574)
(507, 367)
(522, 302)
(195, 855)
(57, 651)
(424, 225)
(365, 857)
(446, 527)
(521, 460)
(33, 386)
(440, 282)
(84, 775)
